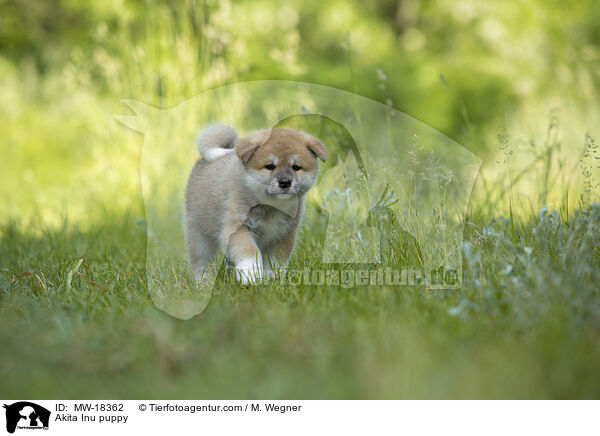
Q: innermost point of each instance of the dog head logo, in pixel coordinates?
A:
(26, 415)
(398, 196)
(344, 193)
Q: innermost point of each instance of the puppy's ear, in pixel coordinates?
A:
(247, 146)
(316, 146)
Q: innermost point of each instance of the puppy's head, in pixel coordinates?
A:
(282, 161)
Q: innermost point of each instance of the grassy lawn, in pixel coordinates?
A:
(525, 324)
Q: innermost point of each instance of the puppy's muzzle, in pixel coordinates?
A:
(284, 182)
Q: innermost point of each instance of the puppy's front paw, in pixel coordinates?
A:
(248, 271)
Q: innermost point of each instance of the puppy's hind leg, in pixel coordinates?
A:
(201, 253)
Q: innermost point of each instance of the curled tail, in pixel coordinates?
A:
(216, 141)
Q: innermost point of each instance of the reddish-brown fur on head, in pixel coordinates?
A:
(275, 156)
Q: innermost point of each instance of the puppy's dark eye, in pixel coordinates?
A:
(270, 167)
(296, 167)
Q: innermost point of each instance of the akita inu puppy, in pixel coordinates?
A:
(245, 196)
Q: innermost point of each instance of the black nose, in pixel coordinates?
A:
(285, 182)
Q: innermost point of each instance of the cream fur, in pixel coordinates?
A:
(237, 206)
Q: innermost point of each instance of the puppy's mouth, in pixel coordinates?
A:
(284, 196)
(283, 192)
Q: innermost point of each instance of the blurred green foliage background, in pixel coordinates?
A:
(469, 69)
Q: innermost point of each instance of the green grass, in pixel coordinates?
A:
(525, 324)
